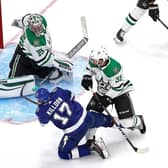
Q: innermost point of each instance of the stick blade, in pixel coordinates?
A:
(143, 150)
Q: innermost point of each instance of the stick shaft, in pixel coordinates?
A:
(82, 42)
(77, 47)
(25, 97)
(163, 23)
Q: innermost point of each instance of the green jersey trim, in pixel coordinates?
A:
(34, 40)
(111, 69)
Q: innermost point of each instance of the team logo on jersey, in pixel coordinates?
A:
(103, 86)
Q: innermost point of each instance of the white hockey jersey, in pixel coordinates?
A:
(110, 79)
(39, 48)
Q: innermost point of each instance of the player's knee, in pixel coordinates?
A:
(99, 119)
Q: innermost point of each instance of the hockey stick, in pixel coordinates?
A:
(70, 54)
(25, 97)
(82, 42)
(77, 47)
(162, 23)
(138, 150)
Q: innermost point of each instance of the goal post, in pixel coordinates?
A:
(1, 28)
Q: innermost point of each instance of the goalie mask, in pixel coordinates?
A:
(36, 25)
(42, 95)
(99, 57)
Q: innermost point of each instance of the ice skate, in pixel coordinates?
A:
(90, 141)
(141, 126)
(99, 147)
(119, 39)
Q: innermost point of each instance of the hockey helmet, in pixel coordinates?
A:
(99, 56)
(42, 95)
(36, 24)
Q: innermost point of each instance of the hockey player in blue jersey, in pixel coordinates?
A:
(60, 107)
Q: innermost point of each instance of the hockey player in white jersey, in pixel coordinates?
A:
(141, 8)
(34, 55)
(112, 88)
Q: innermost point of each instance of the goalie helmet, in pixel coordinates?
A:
(99, 56)
(42, 95)
(36, 25)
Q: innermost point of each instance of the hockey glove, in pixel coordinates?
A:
(87, 82)
(154, 12)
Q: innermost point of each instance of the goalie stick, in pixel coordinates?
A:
(70, 54)
(82, 42)
(25, 97)
(77, 47)
(138, 150)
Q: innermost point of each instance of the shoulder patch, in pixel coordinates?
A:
(35, 41)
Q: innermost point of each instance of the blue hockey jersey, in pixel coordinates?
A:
(65, 113)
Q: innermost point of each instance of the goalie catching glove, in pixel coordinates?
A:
(63, 64)
(154, 12)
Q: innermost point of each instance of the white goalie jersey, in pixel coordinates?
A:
(38, 47)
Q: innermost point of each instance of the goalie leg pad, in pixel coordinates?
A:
(12, 87)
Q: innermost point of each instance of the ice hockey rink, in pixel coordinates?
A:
(144, 58)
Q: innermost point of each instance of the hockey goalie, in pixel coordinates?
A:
(34, 55)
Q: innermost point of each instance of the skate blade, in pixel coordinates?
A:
(117, 41)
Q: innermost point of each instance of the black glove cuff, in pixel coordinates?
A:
(153, 6)
(87, 77)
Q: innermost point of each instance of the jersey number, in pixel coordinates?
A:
(64, 107)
